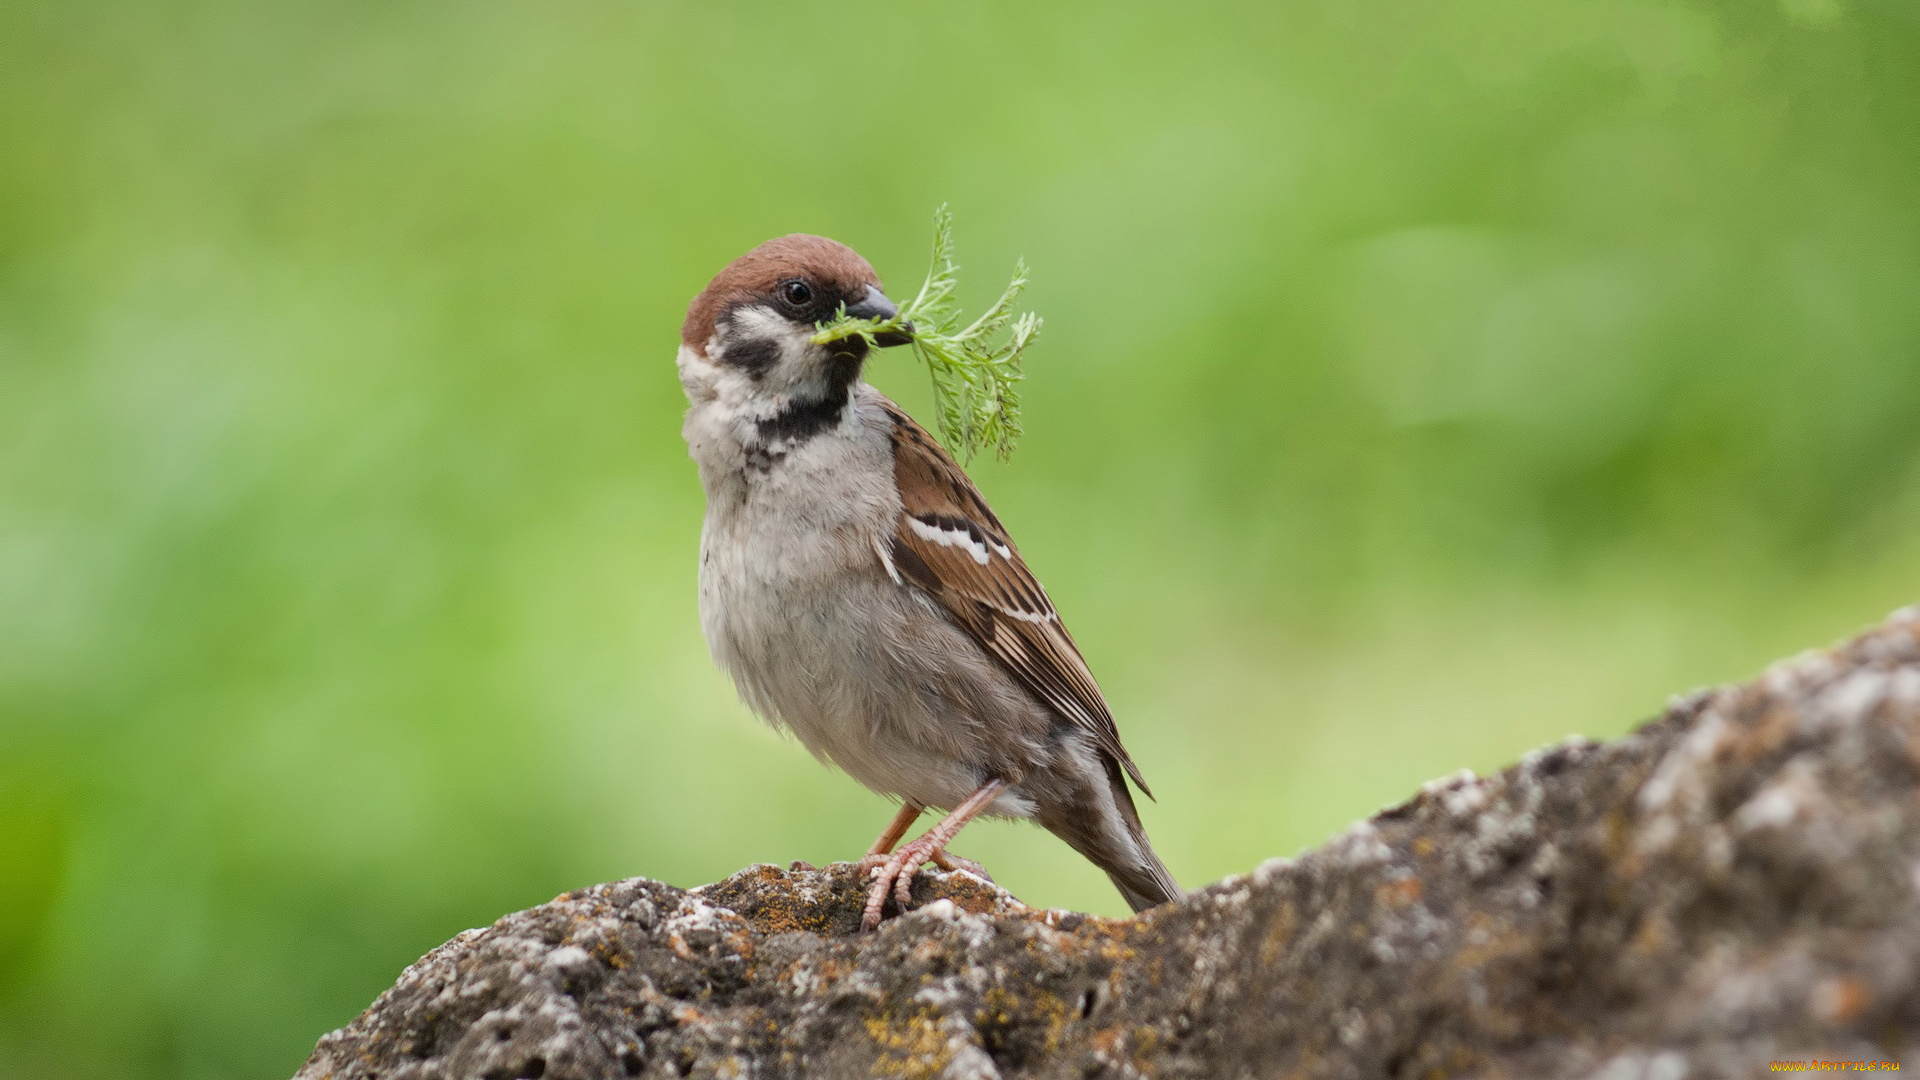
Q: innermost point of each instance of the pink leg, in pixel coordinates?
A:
(902, 821)
(876, 856)
(896, 876)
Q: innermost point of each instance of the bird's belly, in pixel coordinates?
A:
(867, 673)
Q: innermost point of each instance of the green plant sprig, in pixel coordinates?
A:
(976, 371)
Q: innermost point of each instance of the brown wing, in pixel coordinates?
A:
(949, 543)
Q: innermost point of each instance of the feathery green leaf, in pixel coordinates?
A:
(976, 370)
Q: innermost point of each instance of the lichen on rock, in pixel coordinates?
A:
(1734, 883)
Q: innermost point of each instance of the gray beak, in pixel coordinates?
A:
(875, 305)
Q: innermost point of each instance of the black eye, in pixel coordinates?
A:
(796, 292)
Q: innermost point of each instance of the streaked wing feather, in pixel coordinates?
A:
(949, 544)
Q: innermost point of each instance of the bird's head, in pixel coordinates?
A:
(750, 331)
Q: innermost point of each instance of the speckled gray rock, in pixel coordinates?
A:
(1736, 882)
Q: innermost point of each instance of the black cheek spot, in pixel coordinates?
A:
(753, 356)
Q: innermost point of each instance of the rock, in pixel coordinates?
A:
(1737, 882)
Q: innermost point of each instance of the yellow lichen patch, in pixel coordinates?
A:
(998, 1007)
(781, 919)
(1422, 847)
(1108, 941)
(972, 895)
(1132, 1046)
(1145, 1041)
(608, 953)
(781, 909)
(1040, 1008)
(915, 1048)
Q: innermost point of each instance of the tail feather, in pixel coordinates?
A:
(1150, 883)
(1142, 891)
(1134, 869)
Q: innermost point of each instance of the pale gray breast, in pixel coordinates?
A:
(865, 670)
(780, 551)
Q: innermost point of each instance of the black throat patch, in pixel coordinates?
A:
(801, 420)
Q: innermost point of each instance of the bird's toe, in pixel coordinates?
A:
(947, 860)
(886, 875)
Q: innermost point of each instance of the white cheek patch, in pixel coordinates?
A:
(955, 538)
(766, 324)
(759, 321)
(766, 350)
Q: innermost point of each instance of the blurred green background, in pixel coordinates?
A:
(1424, 380)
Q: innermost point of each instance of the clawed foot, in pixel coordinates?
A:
(947, 860)
(870, 865)
(894, 874)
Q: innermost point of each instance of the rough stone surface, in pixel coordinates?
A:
(1736, 882)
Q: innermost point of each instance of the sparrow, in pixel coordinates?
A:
(862, 595)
